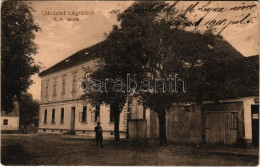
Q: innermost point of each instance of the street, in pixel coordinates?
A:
(20, 149)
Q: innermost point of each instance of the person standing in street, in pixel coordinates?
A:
(99, 136)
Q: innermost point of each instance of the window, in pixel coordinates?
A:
(74, 83)
(83, 83)
(83, 115)
(53, 116)
(5, 122)
(54, 87)
(45, 116)
(47, 89)
(96, 114)
(112, 116)
(63, 84)
(62, 115)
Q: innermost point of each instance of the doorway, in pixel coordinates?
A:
(255, 125)
(72, 122)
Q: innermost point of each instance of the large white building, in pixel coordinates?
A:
(63, 110)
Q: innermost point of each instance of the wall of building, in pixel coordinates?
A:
(137, 129)
(69, 94)
(148, 124)
(136, 110)
(140, 114)
(81, 128)
(184, 125)
(13, 123)
(69, 99)
(154, 125)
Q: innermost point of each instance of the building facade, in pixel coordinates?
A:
(62, 107)
(229, 122)
(233, 120)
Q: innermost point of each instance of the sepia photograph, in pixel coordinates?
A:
(129, 83)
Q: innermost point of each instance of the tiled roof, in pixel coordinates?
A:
(87, 54)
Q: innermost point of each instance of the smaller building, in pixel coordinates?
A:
(10, 121)
(232, 120)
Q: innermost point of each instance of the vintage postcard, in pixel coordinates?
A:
(130, 83)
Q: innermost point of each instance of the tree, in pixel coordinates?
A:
(191, 56)
(115, 99)
(163, 49)
(17, 64)
(141, 42)
(29, 110)
(119, 59)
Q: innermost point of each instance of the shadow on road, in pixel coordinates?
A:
(14, 154)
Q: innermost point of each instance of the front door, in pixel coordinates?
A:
(72, 122)
(255, 124)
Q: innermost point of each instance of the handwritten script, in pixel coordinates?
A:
(199, 14)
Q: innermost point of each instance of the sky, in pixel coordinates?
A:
(58, 40)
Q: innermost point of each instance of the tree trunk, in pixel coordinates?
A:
(116, 127)
(162, 126)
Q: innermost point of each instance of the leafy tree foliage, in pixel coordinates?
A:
(29, 110)
(17, 64)
(199, 58)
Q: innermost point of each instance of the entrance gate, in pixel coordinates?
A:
(221, 127)
(223, 123)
